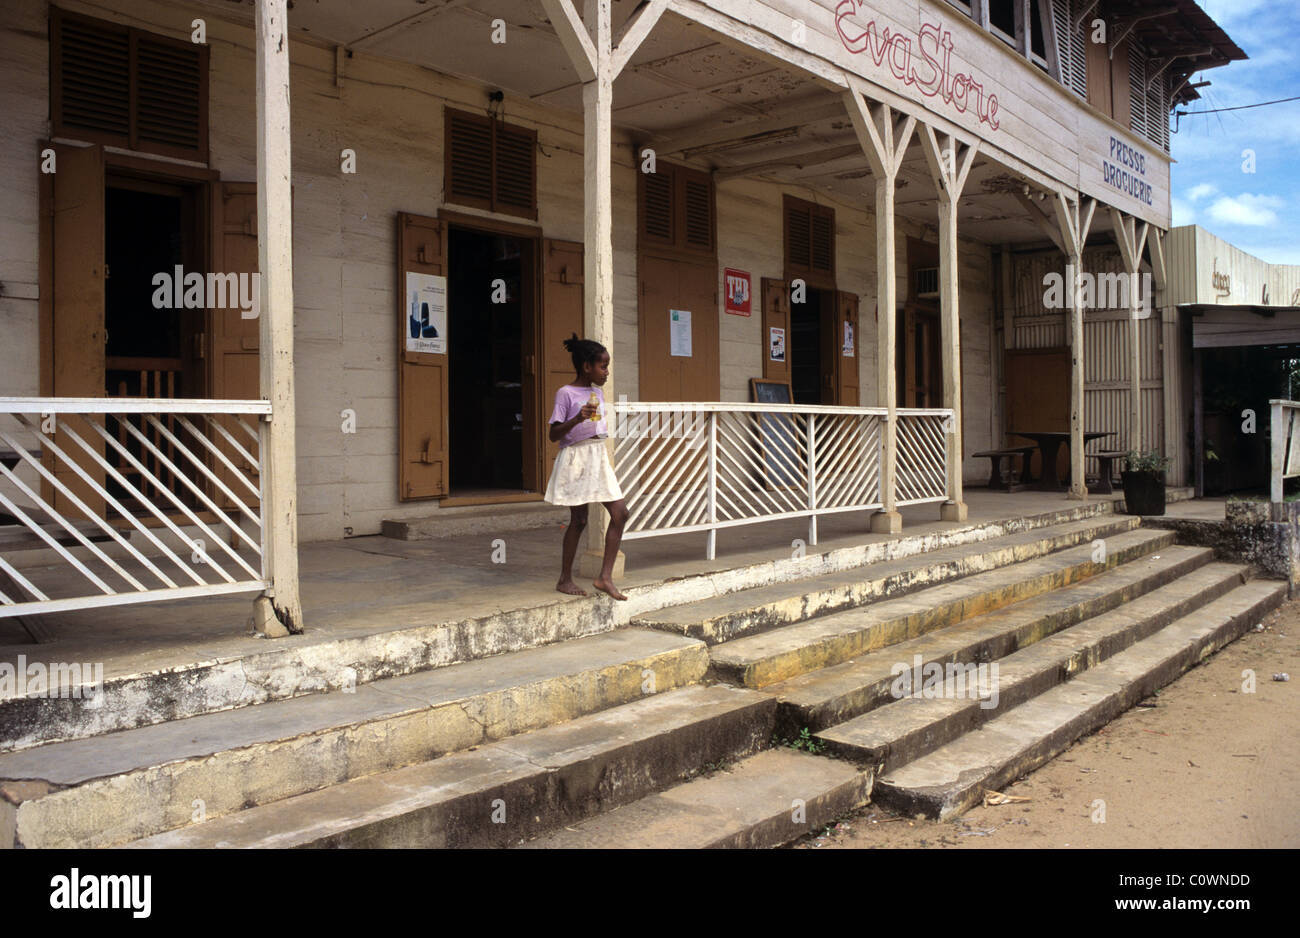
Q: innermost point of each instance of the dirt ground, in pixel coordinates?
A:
(1207, 765)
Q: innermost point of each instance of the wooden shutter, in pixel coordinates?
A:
(657, 210)
(776, 314)
(675, 209)
(562, 316)
(847, 392)
(424, 459)
(1099, 91)
(119, 85)
(697, 211)
(77, 335)
(809, 242)
(1121, 108)
(490, 164)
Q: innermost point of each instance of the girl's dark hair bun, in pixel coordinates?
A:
(583, 351)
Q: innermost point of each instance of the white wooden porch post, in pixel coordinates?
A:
(1074, 221)
(275, 263)
(950, 162)
(1132, 240)
(598, 59)
(883, 137)
(1171, 371)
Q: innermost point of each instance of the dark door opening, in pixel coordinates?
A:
(808, 365)
(917, 357)
(150, 228)
(490, 323)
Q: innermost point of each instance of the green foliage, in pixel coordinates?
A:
(806, 742)
(1147, 462)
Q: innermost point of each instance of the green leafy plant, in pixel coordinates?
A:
(806, 742)
(1147, 462)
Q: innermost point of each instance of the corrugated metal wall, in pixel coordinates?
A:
(1106, 348)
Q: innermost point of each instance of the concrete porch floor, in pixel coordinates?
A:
(366, 586)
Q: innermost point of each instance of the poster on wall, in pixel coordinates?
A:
(776, 344)
(848, 339)
(426, 313)
(737, 292)
(679, 333)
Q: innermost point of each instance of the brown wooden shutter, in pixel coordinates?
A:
(118, 85)
(490, 164)
(822, 254)
(468, 159)
(657, 207)
(514, 186)
(424, 458)
(169, 95)
(561, 317)
(776, 314)
(697, 211)
(809, 242)
(76, 222)
(798, 238)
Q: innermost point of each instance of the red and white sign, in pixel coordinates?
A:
(736, 287)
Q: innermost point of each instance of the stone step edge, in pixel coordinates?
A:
(733, 665)
(769, 614)
(694, 809)
(969, 639)
(160, 796)
(948, 802)
(1068, 662)
(502, 793)
(298, 666)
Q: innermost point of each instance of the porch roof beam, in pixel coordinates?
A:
(573, 36)
(794, 161)
(710, 135)
(405, 22)
(635, 31)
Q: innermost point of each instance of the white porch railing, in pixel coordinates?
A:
(1285, 461)
(687, 467)
(141, 499)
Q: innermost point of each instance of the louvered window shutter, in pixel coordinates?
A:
(697, 207)
(514, 189)
(118, 85)
(823, 242)
(798, 237)
(657, 206)
(468, 163)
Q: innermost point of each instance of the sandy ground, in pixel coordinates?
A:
(1207, 766)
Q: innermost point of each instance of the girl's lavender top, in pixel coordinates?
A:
(569, 400)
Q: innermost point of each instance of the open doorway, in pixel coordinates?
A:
(491, 326)
(809, 369)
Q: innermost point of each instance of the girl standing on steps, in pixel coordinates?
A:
(583, 472)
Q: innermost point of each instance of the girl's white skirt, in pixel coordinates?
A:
(583, 474)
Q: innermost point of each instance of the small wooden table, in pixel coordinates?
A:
(1049, 444)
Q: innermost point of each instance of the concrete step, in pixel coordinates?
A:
(769, 657)
(723, 618)
(954, 777)
(475, 519)
(138, 782)
(765, 801)
(833, 695)
(503, 793)
(906, 729)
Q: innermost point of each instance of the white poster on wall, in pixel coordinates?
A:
(426, 313)
(776, 345)
(679, 333)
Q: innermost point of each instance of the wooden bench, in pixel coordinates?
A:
(1105, 473)
(997, 455)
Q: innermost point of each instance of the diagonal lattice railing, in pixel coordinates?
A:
(138, 499)
(703, 467)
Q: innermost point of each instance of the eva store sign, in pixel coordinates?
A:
(925, 63)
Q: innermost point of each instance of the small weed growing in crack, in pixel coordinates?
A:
(803, 741)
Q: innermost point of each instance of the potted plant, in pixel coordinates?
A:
(1144, 483)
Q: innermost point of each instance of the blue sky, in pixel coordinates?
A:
(1257, 212)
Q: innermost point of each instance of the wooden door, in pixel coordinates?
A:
(562, 316)
(846, 351)
(1038, 398)
(424, 460)
(75, 193)
(1099, 86)
(776, 315)
(668, 285)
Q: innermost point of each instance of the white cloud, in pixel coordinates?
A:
(1184, 212)
(1246, 209)
(1201, 191)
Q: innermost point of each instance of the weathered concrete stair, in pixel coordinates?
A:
(908, 728)
(766, 658)
(139, 782)
(765, 801)
(832, 695)
(502, 793)
(723, 618)
(954, 776)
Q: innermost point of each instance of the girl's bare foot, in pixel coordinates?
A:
(608, 587)
(568, 586)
